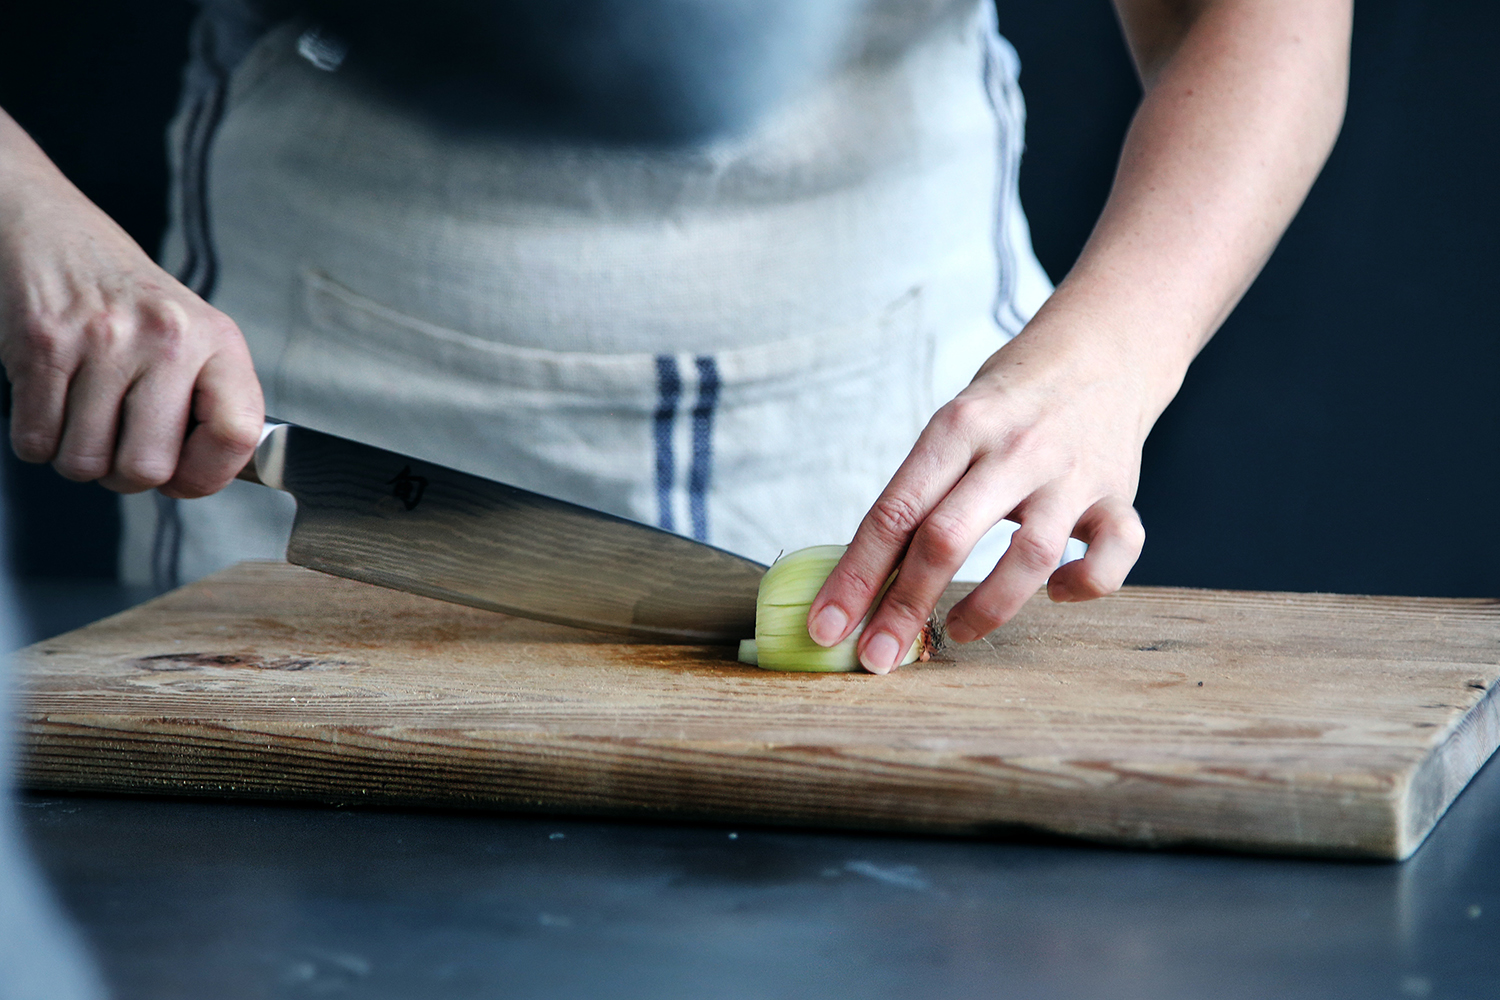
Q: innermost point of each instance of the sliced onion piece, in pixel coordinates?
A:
(786, 595)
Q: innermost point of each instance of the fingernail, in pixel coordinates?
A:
(960, 632)
(828, 625)
(880, 653)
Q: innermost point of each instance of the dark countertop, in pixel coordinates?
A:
(193, 899)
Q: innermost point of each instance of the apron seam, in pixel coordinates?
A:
(1000, 90)
(200, 267)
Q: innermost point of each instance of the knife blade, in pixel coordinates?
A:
(396, 521)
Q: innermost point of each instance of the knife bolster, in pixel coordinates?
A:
(268, 465)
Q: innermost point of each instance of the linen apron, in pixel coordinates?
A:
(739, 341)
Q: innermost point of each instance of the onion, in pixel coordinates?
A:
(786, 594)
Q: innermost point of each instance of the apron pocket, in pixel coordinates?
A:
(756, 449)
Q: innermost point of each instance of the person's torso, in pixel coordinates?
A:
(738, 338)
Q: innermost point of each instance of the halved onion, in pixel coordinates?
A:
(786, 594)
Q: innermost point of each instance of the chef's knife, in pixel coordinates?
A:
(400, 522)
(382, 518)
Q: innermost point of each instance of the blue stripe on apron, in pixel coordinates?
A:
(668, 391)
(703, 444)
(669, 387)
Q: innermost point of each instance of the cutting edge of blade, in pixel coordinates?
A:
(412, 585)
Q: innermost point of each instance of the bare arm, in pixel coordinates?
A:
(1244, 99)
(108, 355)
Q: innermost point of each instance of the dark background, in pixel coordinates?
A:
(1338, 434)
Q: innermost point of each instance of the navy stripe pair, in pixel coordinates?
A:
(668, 398)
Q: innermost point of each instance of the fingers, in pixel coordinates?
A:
(153, 418)
(1114, 535)
(164, 350)
(932, 469)
(1035, 549)
(87, 447)
(133, 377)
(1115, 538)
(230, 411)
(39, 376)
(942, 501)
(107, 394)
(938, 548)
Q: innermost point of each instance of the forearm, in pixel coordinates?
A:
(19, 157)
(1244, 99)
(26, 174)
(39, 205)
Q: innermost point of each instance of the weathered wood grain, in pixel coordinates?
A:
(1304, 723)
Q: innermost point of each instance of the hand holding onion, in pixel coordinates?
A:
(1048, 434)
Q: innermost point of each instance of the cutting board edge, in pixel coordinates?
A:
(1436, 783)
(60, 753)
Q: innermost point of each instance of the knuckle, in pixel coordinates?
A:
(1133, 533)
(169, 331)
(106, 332)
(40, 345)
(191, 486)
(894, 518)
(34, 446)
(908, 614)
(857, 581)
(981, 620)
(960, 416)
(1091, 582)
(223, 328)
(81, 468)
(38, 354)
(133, 475)
(1032, 442)
(981, 613)
(237, 437)
(172, 319)
(941, 540)
(1034, 552)
(854, 582)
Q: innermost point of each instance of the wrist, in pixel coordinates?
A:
(28, 179)
(1096, 344)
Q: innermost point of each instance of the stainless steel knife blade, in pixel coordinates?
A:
(388, 519)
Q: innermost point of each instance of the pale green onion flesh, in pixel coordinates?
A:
(786, 594)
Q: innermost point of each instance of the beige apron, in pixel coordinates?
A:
(739, 341)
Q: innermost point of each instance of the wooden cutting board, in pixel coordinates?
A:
(1304, 723)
